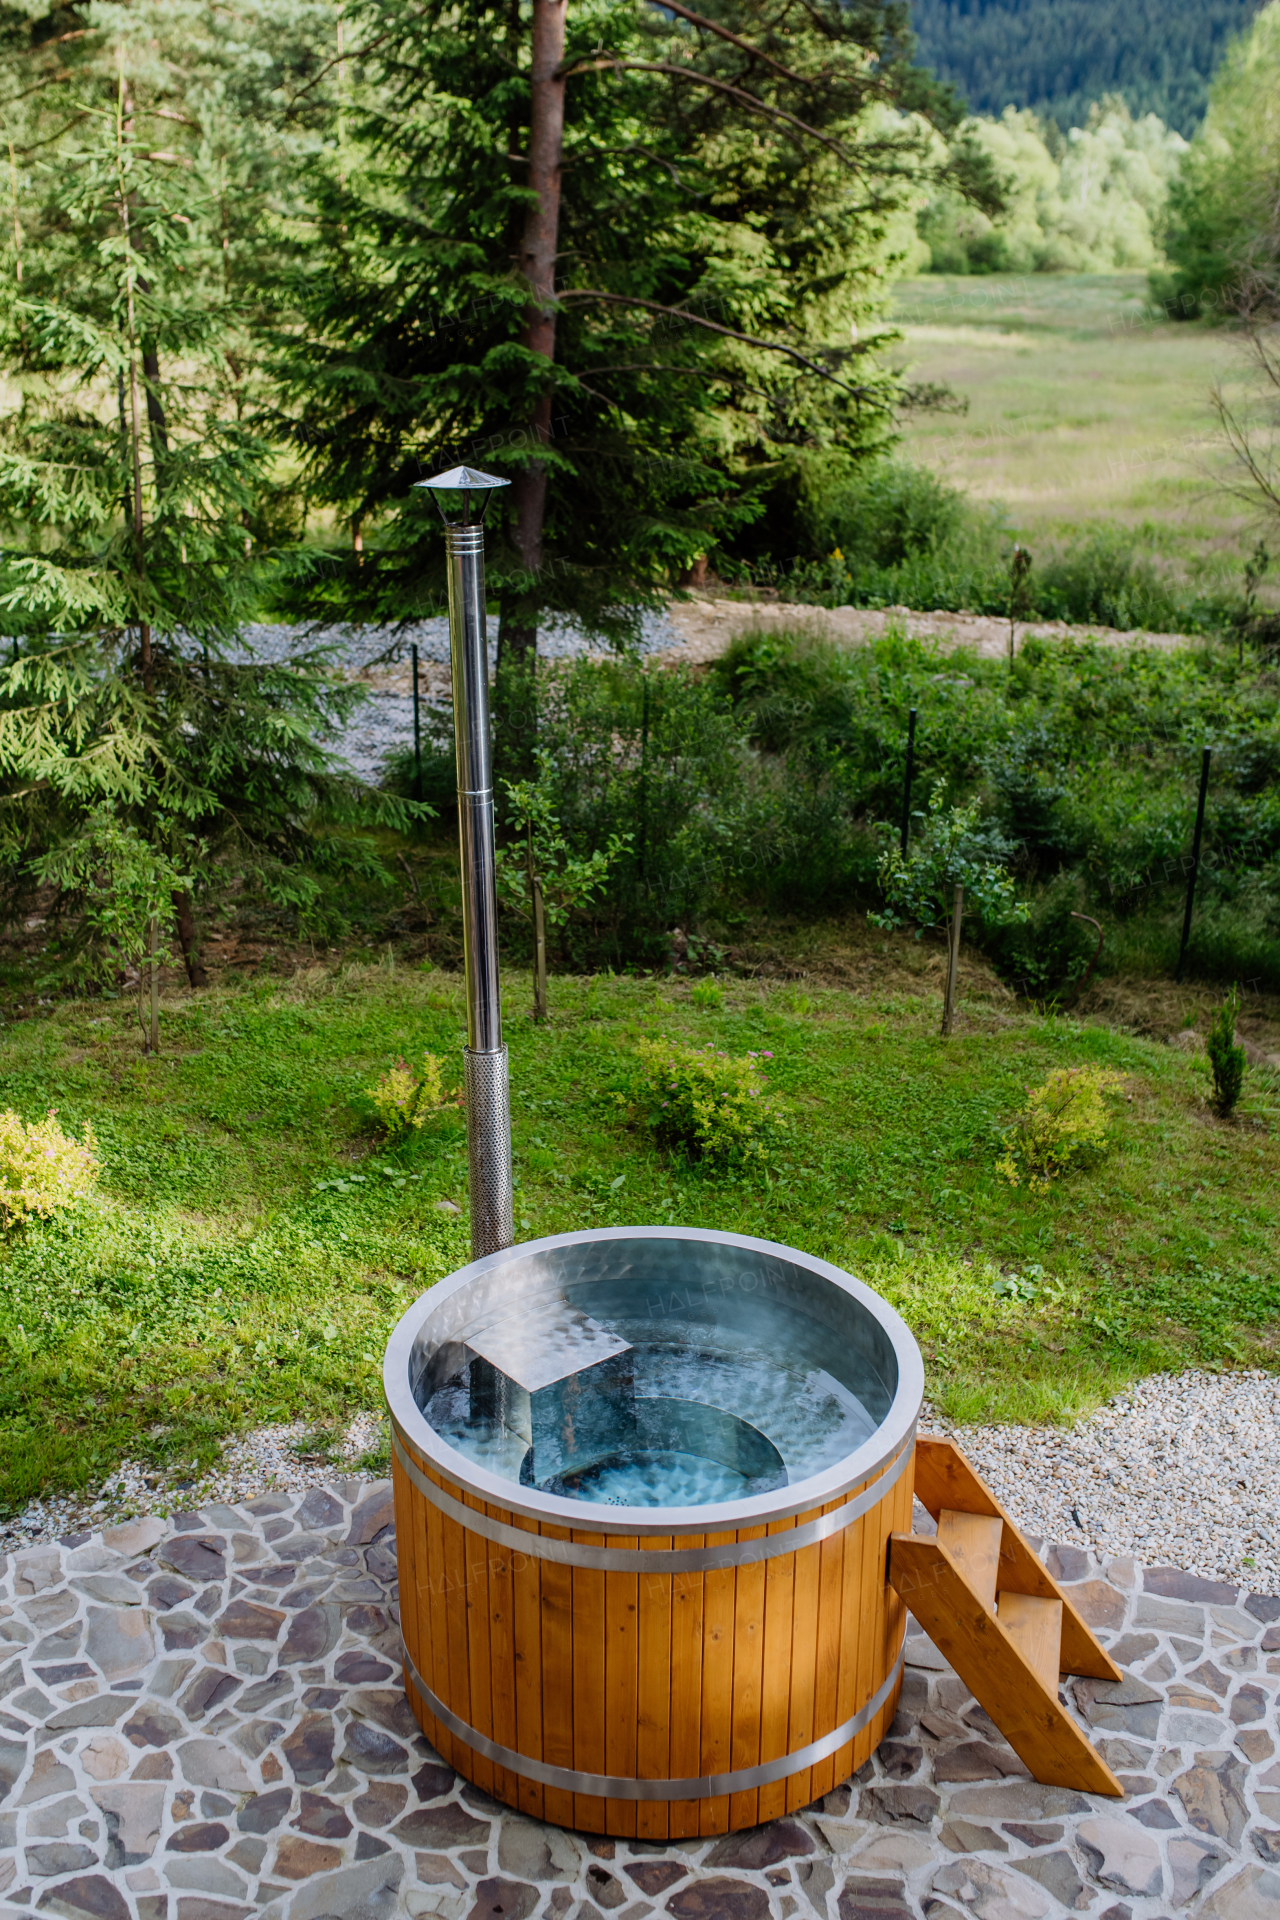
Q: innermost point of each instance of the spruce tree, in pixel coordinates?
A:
(138, 495)
(626, 255)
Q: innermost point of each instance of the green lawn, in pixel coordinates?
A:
(252, 1242)
(1083, 410)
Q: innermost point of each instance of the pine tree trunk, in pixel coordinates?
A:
(516, 692)
(185, 921)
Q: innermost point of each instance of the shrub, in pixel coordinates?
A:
(954, 850)
(41, 1167)
(713, 1105)
(405, 1099)
(1063, 1122)
(707, 994)
(1226, 1059)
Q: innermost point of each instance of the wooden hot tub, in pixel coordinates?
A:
(606, 1662)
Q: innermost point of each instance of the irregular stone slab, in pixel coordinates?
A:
(168, 1592)
(36, 1570)
(1099, 1604)
(1121, 1854)
(1056, 1873)
(102, 1711)
(442, 1827)
(366, 1891)
(1212, 1791)
(197, 1559)
(202, 1873)
(48, 1776)
(1250, 1704)
(761, 1847)
(432, 1781)
(58, 1856)
(993, 1893)
(119, 1641)
(885, 1804)
(864, 1899)
(375, 1511)
(437, 1870)
(152, 1726)
(321, 1817)
(265, 1811)
(298, 1858)
(1021, 1800)
(979, 1760)
(1034, 1836)
(894, 1851)
(1171, 1583)
(1193, 1862)
(716, 1899)
(309, 1749)
(267, 1695)
(964, 1836)
(92, 1897)
(530, 1851)
(133, 1811)
(111, 1588)
(1267, 1846)
(371, 1750)
(51, 1822)
(1251, 1895)
(358, 1668)
(382, 1802)
(210, 1688)
(247, 1620)
(198, 1836)
(134, 1537)
(1157, 1814)
(655, 1876)
(208, 1763)
(320, 1509)
(312, 1634)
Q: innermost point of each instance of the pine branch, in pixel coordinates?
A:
(714, 326)
(712, 26)
(612, 63)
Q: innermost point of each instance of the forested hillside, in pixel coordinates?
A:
(1059, 56)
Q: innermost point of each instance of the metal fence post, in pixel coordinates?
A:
(1195, 863)
(485, 1056)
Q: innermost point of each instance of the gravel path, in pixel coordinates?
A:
(1182, 1469)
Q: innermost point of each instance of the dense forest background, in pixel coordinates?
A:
(1058, 57)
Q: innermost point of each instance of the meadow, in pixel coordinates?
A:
(1085, 412)
(254, 1237)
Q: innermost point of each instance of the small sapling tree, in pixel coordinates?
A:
(540, 876)
(1227, 1059)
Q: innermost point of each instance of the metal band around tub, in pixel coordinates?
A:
(619, 1786)
(735, 1553)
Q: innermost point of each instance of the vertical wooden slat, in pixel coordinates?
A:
(557, 1677)
(720, 1586)
(621, 1686)
(686, 1691)
(775, 1691)
(804, 1668)
(748, 1662)
(526, 1619)
(848, 1699)
(827, 1678)
(479, 1675)
(502, 1660)
(653, 1731)
(590, 1633)
(435, 1666)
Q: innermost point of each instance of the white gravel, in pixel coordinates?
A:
(1182, 1470)
(267, 1460)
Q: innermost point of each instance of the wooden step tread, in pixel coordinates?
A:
(1035, 1628)
(973, 1541)
(1001, 1671)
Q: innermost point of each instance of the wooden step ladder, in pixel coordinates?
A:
(997, 1614)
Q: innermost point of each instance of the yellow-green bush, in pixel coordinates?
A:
(405, 1098)
(41, 1167)
(715, 1105)
(1063, 1121)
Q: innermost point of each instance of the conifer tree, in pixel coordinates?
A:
(623, 253)
(137, 493)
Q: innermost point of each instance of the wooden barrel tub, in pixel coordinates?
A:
(659, 1671)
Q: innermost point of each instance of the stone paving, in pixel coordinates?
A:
(202, 1719)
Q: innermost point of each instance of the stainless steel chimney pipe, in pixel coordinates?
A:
(485, 1056)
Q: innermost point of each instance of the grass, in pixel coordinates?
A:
(1083, 412)
(253, 1241)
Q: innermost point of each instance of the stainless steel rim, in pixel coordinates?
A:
(619, 1786)
(729, 1516)
(660, 1560)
